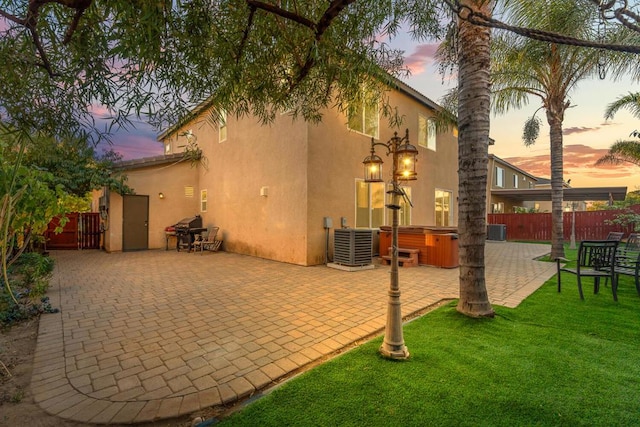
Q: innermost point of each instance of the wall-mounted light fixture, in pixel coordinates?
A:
(161, 195)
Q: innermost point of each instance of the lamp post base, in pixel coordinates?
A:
(394, 352)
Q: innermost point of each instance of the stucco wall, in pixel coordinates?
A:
(269, 186)
(256, 181)
(169, 179)
(335, 163)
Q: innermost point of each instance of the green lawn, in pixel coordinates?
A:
(554, 360)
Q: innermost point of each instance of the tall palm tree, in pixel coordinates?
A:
(524, 68)
(473, 141)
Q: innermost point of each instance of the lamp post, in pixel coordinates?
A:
(572, 245)
(404, 161)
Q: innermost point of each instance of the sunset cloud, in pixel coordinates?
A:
(421, 57)
(578, 129)
(134, 142)
(578, 164)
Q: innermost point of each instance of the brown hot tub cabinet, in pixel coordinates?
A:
(438, 245)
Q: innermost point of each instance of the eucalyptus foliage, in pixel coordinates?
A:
(159, 59)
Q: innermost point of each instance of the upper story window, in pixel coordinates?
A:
(499, 177)
(222, 126)
(427, 132)
(364, 117)
(167, 147)
(515, 181)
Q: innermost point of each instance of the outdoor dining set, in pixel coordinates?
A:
(606, 259)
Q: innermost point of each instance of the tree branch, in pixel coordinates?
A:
(12, 18)
(465, 13)
(245, 35)
(332, 12)
(74, 24)
(282, 12)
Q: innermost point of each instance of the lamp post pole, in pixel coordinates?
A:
(404, 160)
(393, 345)
(572, 245)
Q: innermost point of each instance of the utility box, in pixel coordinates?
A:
(352, 246)
(497, 232)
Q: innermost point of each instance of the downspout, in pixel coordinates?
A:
(490, 185)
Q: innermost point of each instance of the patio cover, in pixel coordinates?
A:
(569, 194)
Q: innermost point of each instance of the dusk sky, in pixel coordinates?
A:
(587, 136)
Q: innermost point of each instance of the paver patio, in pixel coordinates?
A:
(143, 336)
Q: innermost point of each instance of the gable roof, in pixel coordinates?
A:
(396, 84)
(517, 169)
(149, 161)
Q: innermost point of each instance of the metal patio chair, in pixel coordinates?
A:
(597, 259)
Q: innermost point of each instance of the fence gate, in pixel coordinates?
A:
(82, 231)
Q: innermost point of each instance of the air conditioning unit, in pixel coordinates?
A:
(352, 246)
(497, 232)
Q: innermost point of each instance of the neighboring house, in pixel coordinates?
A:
(270, 187)
(569, 206)
(503, 175)
(510, 188)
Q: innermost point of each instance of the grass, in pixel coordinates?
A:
(554, 360)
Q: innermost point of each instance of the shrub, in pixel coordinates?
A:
(29, 278)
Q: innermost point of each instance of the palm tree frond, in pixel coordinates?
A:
(631, 101)
(621, 152)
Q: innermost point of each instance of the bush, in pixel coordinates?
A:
(29, 279)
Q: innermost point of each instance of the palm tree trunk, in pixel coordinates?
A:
(473, 143)
(557, 181)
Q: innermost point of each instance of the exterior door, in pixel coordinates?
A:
(135, 223)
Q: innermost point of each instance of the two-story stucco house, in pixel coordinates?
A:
(270, 187)
(503, 175)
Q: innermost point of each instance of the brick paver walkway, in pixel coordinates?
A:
(143, 336)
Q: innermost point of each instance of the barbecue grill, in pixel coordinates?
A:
(186, 230)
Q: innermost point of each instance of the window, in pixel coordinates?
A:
(515, 181)
(369, 204)
(364, 118)
(426, 132)
(499, 177)
(444, 214)
(167, 148)
(497, 207)
(203, 200)
(404, 214)
(222, 126)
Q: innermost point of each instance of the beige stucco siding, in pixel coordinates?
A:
(436, 169)
(170, 180)
(256, 182)
(270, 186)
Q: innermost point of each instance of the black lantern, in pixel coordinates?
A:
(406, 167)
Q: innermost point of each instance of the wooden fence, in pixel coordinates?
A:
(82, 231)
(537, 226)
